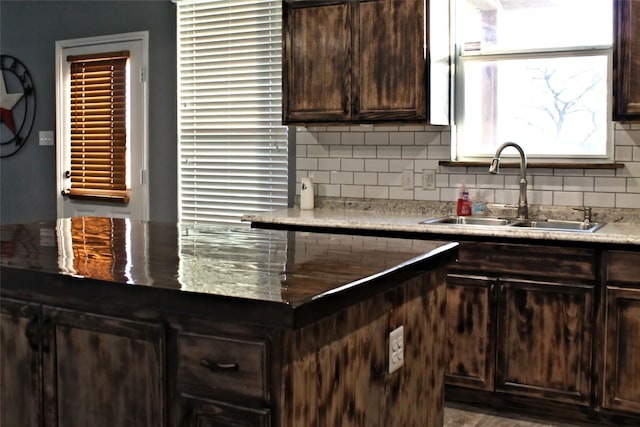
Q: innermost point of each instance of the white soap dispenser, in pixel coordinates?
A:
(306, 194)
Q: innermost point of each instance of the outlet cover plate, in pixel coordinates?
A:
(428, 179)
(396, 349)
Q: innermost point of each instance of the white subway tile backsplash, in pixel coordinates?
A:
(390, 179)
(352, 191)
(365, 178)
(627, 200)
(547, 182)
(355, 165)
(611, 185)
(568, 198)
(365, 152)
(439, 152)
(399, 165)
(431, 195)
(342, 177)
(627, 137)
(328, 138)
(427, 138)
(368, 161)
(328, 164)
(400, 194)
(600, 200)
(307, 163)
(540, 197)
(329, 190)
(578, 183)
(341, 151)
(624, 153)
(490, 181)
(389, 152)
(414, 152)
(401, 138)
(633, 185)
(509, 197)
(376, 138)
(376, 192)
(376, 165)
(353, 138)
(316, 150)
(323, 177)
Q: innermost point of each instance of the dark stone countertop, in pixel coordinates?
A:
(277, 277)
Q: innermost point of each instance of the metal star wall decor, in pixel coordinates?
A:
(17, 105)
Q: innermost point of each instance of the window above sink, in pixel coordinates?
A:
(550, 93)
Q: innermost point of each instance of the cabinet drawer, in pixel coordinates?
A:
(214, 365)
(529, 260)
(623, 266)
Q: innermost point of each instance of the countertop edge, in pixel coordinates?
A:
(347, 219)
(50, 288)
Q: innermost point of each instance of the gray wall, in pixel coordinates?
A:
(28, 31)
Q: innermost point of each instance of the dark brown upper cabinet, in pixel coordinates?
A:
(626, 60)
(362, 62)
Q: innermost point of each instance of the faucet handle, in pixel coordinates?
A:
(587, 213)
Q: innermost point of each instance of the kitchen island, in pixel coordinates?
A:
(164, 324)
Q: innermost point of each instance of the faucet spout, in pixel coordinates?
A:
(494, 168)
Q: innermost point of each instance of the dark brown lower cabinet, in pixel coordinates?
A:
(544, 340)
(83, 369)
(622, 331)
(543, 326)
(521, 337)
(470, 331)
(21, 372)
(622, 362)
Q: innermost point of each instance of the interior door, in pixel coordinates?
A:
(137, 207)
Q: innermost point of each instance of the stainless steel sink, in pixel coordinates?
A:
(559, 225)
(541, 224)
(470, 220)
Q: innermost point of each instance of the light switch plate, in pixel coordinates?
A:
(45, 137)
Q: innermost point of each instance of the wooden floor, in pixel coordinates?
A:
(457, 415)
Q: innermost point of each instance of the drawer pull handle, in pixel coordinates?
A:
(216, 367)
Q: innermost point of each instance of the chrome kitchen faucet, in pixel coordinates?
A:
(494, 168)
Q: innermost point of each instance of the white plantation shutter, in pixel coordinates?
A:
(232, 146)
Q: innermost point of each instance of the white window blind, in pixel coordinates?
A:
(232, 146)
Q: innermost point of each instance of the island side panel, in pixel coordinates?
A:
(335, 371)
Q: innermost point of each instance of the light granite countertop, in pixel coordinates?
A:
(618, 229)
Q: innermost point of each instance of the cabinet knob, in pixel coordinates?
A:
(216, 366)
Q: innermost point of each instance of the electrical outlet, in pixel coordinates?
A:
(407, 179)
(428, 179)
(396, 349)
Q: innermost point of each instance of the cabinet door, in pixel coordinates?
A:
(20, 376)
(316, 62)
(389, 61)
(544, 340)
(102, 371)
(626, 75)
(470, 331)
(622, 364)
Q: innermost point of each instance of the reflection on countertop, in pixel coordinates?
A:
(267, 265)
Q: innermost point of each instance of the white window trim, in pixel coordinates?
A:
(459, 57)
(63, 113)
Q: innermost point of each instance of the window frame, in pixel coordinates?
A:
(461, 57)
(137, 142)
